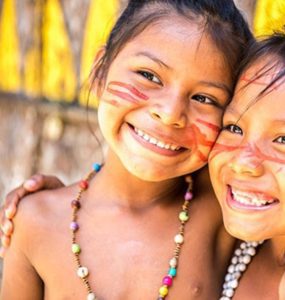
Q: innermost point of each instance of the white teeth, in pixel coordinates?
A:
(153, 141)
(156, 142)
(146, 137)
(250, 198)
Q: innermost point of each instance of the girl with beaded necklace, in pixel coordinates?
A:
(247, 167)
(163, 80)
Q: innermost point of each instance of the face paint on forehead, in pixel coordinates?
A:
(126, 92)
(263, 78)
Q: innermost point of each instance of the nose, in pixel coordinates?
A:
(171, 112)
(246, 161)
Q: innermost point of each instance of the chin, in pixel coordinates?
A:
(245, 232)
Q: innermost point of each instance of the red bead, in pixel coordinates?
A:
(84, 184)
(167, 280)
(75, 204)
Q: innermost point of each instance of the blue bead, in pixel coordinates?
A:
(172, 272)
(96, 167)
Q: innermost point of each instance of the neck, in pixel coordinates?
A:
(278, 249)
(124, 189)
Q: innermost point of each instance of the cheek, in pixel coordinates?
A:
(120, 94)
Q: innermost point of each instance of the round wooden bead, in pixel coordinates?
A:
(75, 204)
(96, 167)
(163, 291)
(91, 296)
(83, 184)
(74, 226)
(183, 216)
(82, 272)
(172, 272)
(167, 280)
(75, 248)
(173, 262)
(179, 239)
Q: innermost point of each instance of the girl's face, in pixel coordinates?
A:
(247, 164)
(161, 108)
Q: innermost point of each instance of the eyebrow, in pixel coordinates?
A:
(153, 58)
(279, 122)
(217, 85)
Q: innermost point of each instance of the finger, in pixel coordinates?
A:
(7, 227)
(10, 211)
(5, 241)
(11, 201)
(2, 252)
(39, 181)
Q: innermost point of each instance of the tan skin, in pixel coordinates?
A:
(127, 240)
(253, 164)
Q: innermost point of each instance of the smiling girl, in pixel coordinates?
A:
(247, 166)
(136, 231)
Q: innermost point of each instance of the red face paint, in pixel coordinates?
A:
(112, 102)
(198, 139)
(252, 151)
(263, 80)
(211, 126)
(126, 92)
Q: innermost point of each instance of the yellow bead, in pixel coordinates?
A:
(163, 291)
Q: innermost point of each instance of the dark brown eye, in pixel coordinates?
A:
(149, 76)
(280, 140)
(203, 99)
(233, 129)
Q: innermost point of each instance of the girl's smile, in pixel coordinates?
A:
(160, 109)
(247, 163)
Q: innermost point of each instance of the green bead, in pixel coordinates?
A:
(183, 216)
(75, 248)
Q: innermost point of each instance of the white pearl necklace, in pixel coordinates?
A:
(240, 260)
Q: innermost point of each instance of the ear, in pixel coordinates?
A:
(93, 81)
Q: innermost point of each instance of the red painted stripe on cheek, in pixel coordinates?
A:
(112, 102)
(201, 138)
(123, 96)
(209, 125)
(130, 88)
(202, 157)
(221, 148)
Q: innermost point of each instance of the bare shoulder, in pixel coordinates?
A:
(39, 212)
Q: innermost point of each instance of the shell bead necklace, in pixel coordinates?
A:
(239, 263)
(83, 272)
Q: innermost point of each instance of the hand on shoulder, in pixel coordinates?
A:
(8, 210)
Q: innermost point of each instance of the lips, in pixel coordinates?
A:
(250, 199)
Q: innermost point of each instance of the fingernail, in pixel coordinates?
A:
(6, 228)
(5, 241)
(2, 251)
(30, 183)
(9, 213)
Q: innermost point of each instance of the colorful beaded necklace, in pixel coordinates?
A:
(83, 272)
